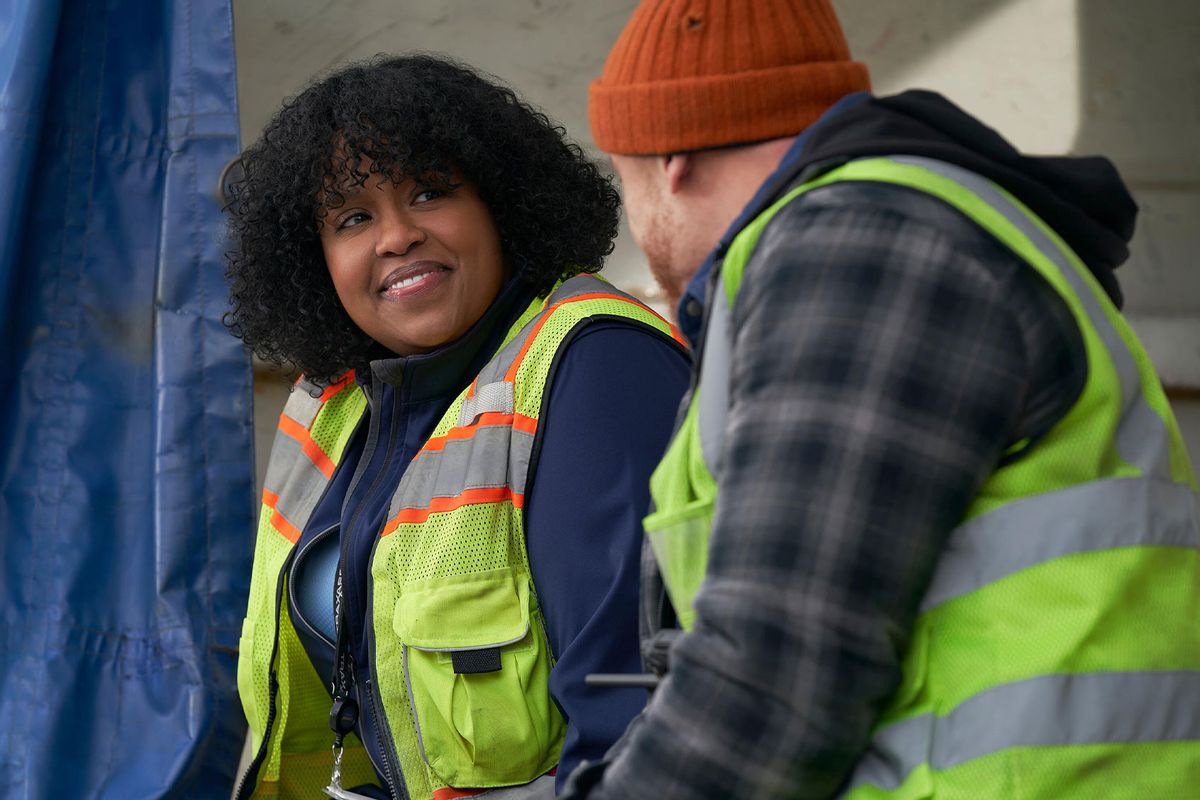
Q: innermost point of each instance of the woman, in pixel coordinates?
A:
(450, 534)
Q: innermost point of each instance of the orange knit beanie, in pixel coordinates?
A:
(693, 74)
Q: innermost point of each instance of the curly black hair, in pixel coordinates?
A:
(414, 116)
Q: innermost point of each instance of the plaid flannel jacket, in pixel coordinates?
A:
(887, 353)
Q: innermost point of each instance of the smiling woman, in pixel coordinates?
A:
(429, 580)
(414, 266)
(416, 118)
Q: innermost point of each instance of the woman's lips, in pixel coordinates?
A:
(413, 278)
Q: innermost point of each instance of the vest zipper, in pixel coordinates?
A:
(383, 731)
(346, 683)
(250, 776)
(373, 434)
(381, 726)
(345, 666)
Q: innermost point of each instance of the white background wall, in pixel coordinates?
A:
(1077, 76)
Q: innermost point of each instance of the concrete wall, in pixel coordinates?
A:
(1078, 76)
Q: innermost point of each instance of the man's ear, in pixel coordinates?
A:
(678, 167)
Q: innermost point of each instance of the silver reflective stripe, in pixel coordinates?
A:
(1142, 438)
(571, 288)
(582, 284)
(295, 479)
(498, 367)
(302, 406)
(497, 455)
(494, 397)
(1095, 708)
(495, 370)
(1101, 515)
(712, 394)
(412, 704)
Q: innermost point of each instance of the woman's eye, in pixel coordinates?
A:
(425, 195)
(350, 220)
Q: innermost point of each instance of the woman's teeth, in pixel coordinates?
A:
(406, 282)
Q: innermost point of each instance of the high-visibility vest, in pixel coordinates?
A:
(1056, 653)
(460, 659)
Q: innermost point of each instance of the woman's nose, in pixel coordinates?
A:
(397, 235)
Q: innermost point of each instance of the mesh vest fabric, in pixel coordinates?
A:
(450, 567)
(1057, 640)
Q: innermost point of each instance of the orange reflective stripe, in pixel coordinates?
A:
(315, 454)
(439, 505)
(450, 793)
(336, 386)
(490, 419)
(512, 371)
(285, 528)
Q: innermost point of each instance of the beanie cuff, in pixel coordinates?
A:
(712, 111)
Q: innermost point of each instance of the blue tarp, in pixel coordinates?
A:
(125, 450)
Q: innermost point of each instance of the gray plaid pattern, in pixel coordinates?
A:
(887, 353)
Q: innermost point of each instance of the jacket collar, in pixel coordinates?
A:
(445, 371)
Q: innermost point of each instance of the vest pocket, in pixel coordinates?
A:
(477, 667)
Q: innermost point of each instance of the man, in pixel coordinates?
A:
(950, 526)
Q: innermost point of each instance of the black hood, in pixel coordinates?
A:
(1082, 198)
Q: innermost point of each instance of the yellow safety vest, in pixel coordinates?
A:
(1056, 653)
(460, 660)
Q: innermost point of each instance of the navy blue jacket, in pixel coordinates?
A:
(612, 399)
